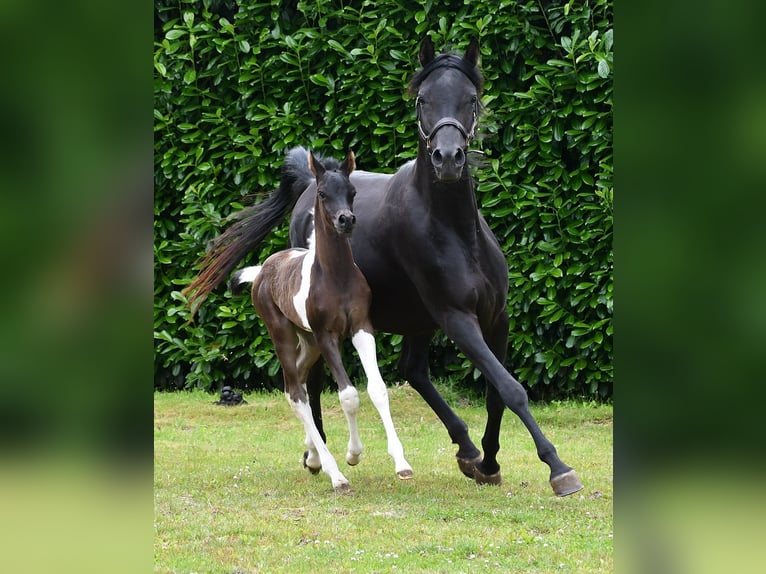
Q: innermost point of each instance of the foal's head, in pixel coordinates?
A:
(448, 89)
(335, 194)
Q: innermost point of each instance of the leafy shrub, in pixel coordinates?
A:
(237, 85)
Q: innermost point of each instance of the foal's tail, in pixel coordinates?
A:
(251, 225)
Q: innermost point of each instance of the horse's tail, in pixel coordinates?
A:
(251, 225)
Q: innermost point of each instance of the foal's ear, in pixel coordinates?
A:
(349, 164)
(472, 52)
(315, 166)
(426, 53)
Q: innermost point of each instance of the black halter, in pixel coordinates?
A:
(427, 137)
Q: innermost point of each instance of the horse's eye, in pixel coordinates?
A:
(322, 195)
(474, 99)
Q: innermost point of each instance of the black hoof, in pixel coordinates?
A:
(566, 484)
(482, 478)
(467, 466)
(405, 474)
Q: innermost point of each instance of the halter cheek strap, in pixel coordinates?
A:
(427, 137)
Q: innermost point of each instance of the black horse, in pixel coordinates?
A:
(429, 257)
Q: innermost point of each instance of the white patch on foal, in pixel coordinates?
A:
(248, 274)
(300, 298)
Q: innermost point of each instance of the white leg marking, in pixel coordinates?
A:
(299, 299)
(364, 343)
(248, 274)
(349, 401)
(312, 458)
(303, 411)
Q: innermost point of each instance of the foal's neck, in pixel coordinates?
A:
(333, 250)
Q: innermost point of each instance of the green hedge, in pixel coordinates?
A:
(237, 85)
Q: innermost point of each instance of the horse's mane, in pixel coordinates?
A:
(448, 61)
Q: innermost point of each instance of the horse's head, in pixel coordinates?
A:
(448, 88)
(335, 193)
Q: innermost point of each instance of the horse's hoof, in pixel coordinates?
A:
(566, 484)
(311, 469)
(342, 488)
(467, 465)
(353, 459)
(405, 474)
(482, 478)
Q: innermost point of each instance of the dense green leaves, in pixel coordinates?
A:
(237, 85)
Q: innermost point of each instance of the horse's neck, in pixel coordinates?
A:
(333, 251)
(452, 204)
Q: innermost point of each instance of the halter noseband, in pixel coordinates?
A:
(427, 137)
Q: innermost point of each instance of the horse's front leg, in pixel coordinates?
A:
(329, 346)
(463, 328)
(413, 367)
(364, 343)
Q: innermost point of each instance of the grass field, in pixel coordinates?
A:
(231, 495)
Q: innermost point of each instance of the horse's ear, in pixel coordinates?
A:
(472, 52)
(349, 164)
(426, 54)
(315, 166)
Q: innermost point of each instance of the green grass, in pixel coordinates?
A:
(231, 495)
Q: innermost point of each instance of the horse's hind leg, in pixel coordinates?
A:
(364, 343)
(413, 366)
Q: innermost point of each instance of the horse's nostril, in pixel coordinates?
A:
(436, 157)
(460, 156)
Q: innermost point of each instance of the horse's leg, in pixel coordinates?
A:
(310, 352)
(463, 328)
(413, 366)
(296, 353)
(329, 346)
(488, 471)
(315, 385)
(364, 343)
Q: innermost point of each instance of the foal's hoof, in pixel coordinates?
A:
(405, 474)
(566, 484)
(311, 469)
(468, 465)
(342, 488)
(353, 459)
(482, 478)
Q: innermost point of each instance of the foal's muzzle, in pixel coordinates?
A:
(345, 222)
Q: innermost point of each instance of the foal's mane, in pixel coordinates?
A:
(447, 61)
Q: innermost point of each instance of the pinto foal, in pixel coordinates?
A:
(311, 300)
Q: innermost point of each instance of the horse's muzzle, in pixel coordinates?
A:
(448, 162)
(345, 222)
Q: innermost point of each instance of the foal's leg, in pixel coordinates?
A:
(413, 366)
(296, 354)
(329, 345)
(308, 355)
(364, 343)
